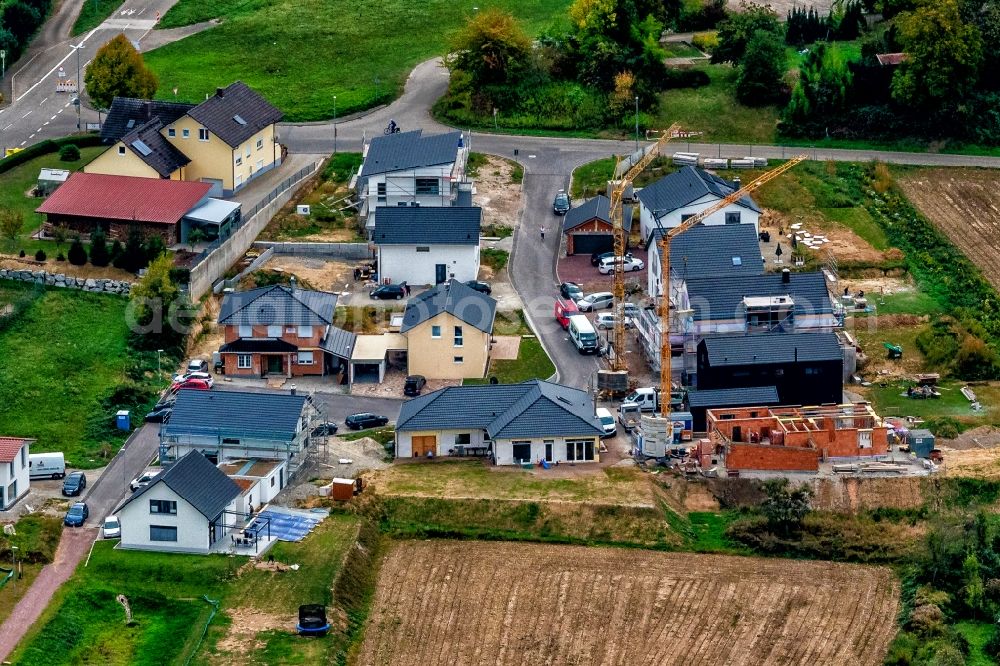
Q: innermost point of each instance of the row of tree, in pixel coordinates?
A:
(131, 256)
(19, 20)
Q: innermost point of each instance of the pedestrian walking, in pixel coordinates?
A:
(542, 230)
(406, 289)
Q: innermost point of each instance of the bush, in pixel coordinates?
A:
(77, 255)
(69, 153)
(944, 426)
(40, 255)
(705, 41)
(60, 257)
(685, 78)
(116, 249)
(21, 254)
(99, 255)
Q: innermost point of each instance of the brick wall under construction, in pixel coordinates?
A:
(768, 457)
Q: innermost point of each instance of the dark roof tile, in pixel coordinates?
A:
(152, 147)
(768, 348)
(716, 250)
(686, 186)
(197, 481)
(278, 304)
(409, 150)
(473, 307)
(222, 113)
(721, 297)
(219, 413)
(420, 225)
(127, 113)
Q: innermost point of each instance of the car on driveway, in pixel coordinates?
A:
(630, 264)
(598, 257)
(596, 301)
(74, 484)
(144, 479)
(112, 528)
(195, 384)
(324, 429)
(414, 385)
(480, 286)
(203, 376)
(159, 415)
(607, 320)
(364, 420)
(77, 515)
(607, 422)
(571, 290)
(197, 365)
(388, 292)
(561, 203)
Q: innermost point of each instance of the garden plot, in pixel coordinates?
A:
(501, 603)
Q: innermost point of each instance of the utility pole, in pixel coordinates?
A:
(637, 123)
(334, 123)
(79, 86)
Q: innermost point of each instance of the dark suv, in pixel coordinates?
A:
(561, 204)
(414, 384)
(388, 292)
(365, 420)
(74, 484)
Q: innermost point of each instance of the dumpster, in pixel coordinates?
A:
(122, 420)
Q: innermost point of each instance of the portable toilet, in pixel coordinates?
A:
(122, 420)
(921, 442)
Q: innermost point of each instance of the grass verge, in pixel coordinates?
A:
(92, 14)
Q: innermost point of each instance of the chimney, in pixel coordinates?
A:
(786, 276)
(737, 183)
(147, 110)
(293, 389)
(293, 282)
(220, 92)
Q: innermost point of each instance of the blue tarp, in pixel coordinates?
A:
(286, 526)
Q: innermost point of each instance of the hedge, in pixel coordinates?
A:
(47, 146)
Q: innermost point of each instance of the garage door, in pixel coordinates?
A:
(422, 444)
(590, 243)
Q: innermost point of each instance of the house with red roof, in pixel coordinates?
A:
(14, 470)
(166, 208)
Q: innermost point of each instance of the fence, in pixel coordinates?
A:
(339, 250)
(216, 259)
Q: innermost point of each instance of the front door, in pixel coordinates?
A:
(274, 365)
(422, 444)
(440, 273)
(548, 451)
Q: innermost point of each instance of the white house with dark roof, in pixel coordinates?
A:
(15, 470)
(684, 193)
(428, 245)
(510, 423)
(704, 251)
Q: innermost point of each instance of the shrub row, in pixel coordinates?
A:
(47, 146)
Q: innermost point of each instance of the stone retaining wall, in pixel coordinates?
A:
(100, 285)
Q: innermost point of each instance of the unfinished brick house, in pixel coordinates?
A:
(795, 438)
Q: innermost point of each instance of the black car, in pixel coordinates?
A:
(597, 257)
(480, 286)
(74, 484)
(561, 204)
(414, 384)
(365, 420)
(571, 290)
(325, 429)
(159, 415)
(389, 292)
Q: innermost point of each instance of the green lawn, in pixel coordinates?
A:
(92, 14)
(913, 302)
(591, 179)
(301, 53)
(682, 50)
(532, 362)
(66, 351)
(977, 634)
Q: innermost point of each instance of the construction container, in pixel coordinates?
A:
(713, 163)
(921, 442)
(744, 163)
(690, 159)
(342, 489)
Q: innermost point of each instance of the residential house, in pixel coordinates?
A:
(685, 193)
(805, 368)
(448, 330)
(225, 141)
(699, 402)
(511, 423)
(115, 204)
(588, 229)
(282, 331)
(15, 470)
(727, 251)
(270, 475)
(188, 508)
(428, 245)
(235, 425)
(413, 169)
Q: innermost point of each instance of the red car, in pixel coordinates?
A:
(196, 384)
(564, 310)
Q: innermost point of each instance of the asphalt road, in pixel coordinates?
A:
(334, 406)
(105, 494)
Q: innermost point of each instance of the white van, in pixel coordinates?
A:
(46, 465)
(583, 334)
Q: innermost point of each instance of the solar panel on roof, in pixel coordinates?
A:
(142, 147)
(240, 120)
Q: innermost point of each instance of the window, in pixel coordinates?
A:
(435, 331)
(10, 468)
(305, 358)
(13, 488)
(581, 450)
(260, 143)
(121, 150)
(244, 361)
(423, 248)
(458, 336)
(230, 440)
(24, 456)
(274, 331)
(427, 186)
(685, 216)
(163, 506)
(185, 133)
(239, 180)
(162, 533)
(381, 192)
(521, 450)
(202, 134)
(811, 371)
(260, 165)
(305, 331)
(247, 154)
(239, 161)
(463, 438)
(171, 132)
(272, 482)
(733, 218)
(459, 359)
(245, 331)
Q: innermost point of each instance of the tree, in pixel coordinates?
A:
(821, 91)
(77, 255)
(99, 255)
(621, 97)
(761, 70)
(21, 20)
(942, 56)
(40, 255)
(59, 234)
(159, 314)
(785, 507)
(492, 48)
(195, 236)
(116, 250)
(11, 222)
(69, 153)
(735, 32)
(133, 256)
(154, 248)
(117, 70)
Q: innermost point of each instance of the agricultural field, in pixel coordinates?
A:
(449, 602)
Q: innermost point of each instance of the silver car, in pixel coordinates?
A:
(596, 301)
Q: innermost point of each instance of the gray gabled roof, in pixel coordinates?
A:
(686, 186)
(409, 150)
(420, 225)
(200, 483)
(278, 304)
(768, 348)
(150, 146)
(713, 250)
(339, 342)
(235, 113)
(733, 397)
(507, 411)
(127, 113)
(598, 208)
(721, 297)
(473, 307)
(218, 413)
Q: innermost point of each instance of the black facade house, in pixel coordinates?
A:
(805, 368)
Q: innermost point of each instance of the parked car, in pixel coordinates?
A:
(112, 528)
(74, 484)
(480, 286)
(167, 400)
(196, 384)
(197, 365)
(325, 429)
(561, 204)
(596, 301)
(159, 415)
(205, 376)
(598, 257)
(144, 479)
(607, 265)
(414, 384)
(607, 422)
(77, 515)
(607, 320)
(632, 310)
(365, 420)
(388, 292)
(571, 290)
(565, 309)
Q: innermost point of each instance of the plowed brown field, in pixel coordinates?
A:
(965, 205)
(441, 602)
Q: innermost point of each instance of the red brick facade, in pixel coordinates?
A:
(594, 226)
(769, 457)
(114, 229)
(290, 366)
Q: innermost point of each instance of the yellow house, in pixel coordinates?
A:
(227, 140)
(448, 330)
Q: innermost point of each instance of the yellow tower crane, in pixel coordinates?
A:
(666, 381)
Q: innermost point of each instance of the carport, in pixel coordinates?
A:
(214, 217)
(369, 356)
(588, 227)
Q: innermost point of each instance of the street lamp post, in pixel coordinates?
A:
(158, 370)
(79, 86)
(334, 123)
(636, 123)
(13, 553)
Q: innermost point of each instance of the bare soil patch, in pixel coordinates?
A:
(499, 198)
(246, 624)
(322, 274)
(500, 603)
(843, 243)
(965, 205)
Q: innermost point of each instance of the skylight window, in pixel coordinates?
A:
(737, 261)
(130, 124)
(142, 147)
(240, 120)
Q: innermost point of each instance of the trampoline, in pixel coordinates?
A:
(285, 525)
